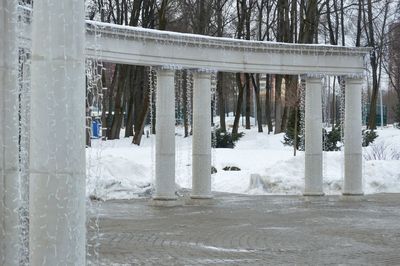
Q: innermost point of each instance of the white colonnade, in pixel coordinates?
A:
(165, 141)
(313, 174)
(57, 143)
(57, 146)
(201, 149)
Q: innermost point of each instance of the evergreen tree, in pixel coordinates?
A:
(289, 137)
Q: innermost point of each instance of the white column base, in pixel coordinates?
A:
(353, 198)
(201, 182)
(201, 201)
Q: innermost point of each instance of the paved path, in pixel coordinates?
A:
(248, 230)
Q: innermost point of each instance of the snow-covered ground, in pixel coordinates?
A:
(118, 169)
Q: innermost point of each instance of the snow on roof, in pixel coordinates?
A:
(210, 41)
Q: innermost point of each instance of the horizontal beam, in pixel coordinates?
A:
(138, 46)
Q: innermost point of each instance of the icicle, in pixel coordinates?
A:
(302, 113)
(153, 97)
(342, 114)
(94, 101)
(214, 126)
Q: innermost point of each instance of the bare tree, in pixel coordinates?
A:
(256, 87)
(391, 65)
(376, 53)
(219, 7)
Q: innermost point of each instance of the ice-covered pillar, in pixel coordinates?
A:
(165, 135)
(57, 145)
(9, 163)
(353, 138)
(313, 137)
(201, 150)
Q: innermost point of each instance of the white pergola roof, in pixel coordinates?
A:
(139, 46)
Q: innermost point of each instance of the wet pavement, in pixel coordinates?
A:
(247, 230)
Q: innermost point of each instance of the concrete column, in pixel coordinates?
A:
(165, 136)
(10, 199)
(57, 145)
(201, 149)
(353, 138)
(313, 138)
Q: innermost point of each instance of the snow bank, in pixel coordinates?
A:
(119, 170)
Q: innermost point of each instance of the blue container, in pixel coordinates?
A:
(96, 128)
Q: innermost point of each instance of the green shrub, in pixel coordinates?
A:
(397, 116)
(368, 137)
(224, 139)
(288, 139)
(331, 139)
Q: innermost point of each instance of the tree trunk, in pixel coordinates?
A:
(141, 87)
(309, 21)
(359, 20)
(111, 98)
(105, 90)
(119, 105)
(248, 100)
(238, 105)
(374, 96)
(295, 130)
(285, 115)
(130, 106)
(135, 88)
(220, 75)
(221, 101)
(342, 22)
(162, 15)
(278, 104)
(374, 68)
(290, 98)
(268, 103)
(258, 103)
(141, 121)
(130, 117)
